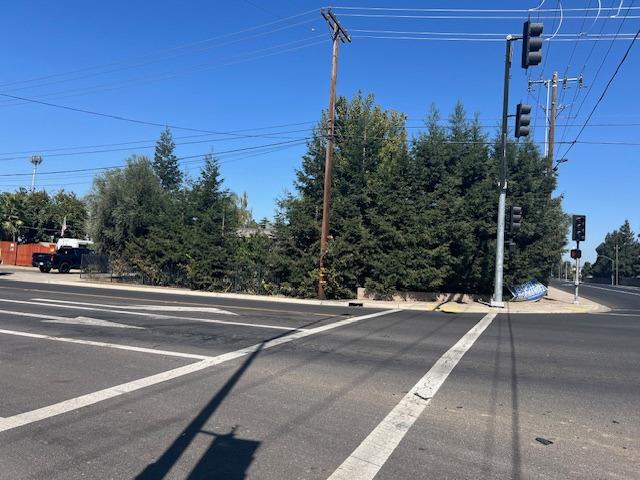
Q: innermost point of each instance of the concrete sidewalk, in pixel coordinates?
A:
(556, 301)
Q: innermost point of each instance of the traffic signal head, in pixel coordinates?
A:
(579, 228)
(515, 218)
(576, 253)
(523, 119)
(531, 44)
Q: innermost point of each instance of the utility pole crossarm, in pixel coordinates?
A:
(335, 26)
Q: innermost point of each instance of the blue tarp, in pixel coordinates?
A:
(530, 291)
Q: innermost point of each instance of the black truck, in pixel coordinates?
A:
(63, 260)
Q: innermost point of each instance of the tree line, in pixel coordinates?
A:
(36, 216)
(628, 246)
(407, 214)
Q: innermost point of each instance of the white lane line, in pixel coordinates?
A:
(161, 308)
(610, 289)
(69, 320)
(117, 346)
(366, 460)
(155, 316)
(26, 418)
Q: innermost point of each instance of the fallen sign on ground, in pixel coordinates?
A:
(530, 291)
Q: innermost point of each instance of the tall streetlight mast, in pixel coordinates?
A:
(35, 160)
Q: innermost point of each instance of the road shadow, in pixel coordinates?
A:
(503, 372)
(227, 457)
(516, 457)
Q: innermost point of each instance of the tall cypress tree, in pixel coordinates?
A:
(210, 229)
(165, 163)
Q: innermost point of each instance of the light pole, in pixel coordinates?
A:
(617, 265)
(612, 266)
(35, 160)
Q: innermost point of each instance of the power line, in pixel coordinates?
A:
(593, 81)
(120, 117)
(194, 68)
(464, 17)
(188, 160)
(179, 47)
(477, 10)
(601, 65)
(122, 149)
(133, 142)
(604, 92)
(235, 150)
(584, 66)
(483, 39)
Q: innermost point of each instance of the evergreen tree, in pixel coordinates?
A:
(126, 213)
(421, 219)
(211, 229)
(628, 253)
(165, 163)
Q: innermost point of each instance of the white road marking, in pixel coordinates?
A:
(117, 346)
(161, 308)
(69, 320)
(92, 322)
(366, 460)
(26, 418)
(146, 314)
(609, 289)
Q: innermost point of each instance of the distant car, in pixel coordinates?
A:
(63, 260)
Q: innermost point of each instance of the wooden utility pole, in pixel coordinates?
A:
(552, 120)
(338, 34)
(551, 112)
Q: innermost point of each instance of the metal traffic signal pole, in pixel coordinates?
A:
(579, 231)
(577, 279)
(496, 301)
(338, 34)
(531, 55)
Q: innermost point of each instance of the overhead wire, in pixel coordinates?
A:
(579, 90)
(194, 68)
(592, 80)
(216, 154)
(179, 47)
(602, 95)
(134, 142)
(534, 128)
(476, 10)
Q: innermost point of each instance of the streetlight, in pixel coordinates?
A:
(35, 160)
(612, 266)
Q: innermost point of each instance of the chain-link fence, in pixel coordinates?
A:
(94, 266)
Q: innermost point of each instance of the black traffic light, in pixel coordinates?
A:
(523, 119)
(576, 253)
(579, 228)
(531, 44)
(515, 218)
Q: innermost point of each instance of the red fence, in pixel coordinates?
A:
(20, 254)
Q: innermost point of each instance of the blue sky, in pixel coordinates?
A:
(204, 66)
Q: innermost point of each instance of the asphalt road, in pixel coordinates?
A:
(620, 299)
(121, 384)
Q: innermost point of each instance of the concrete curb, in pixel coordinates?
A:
(557, 301)
(563, 299)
